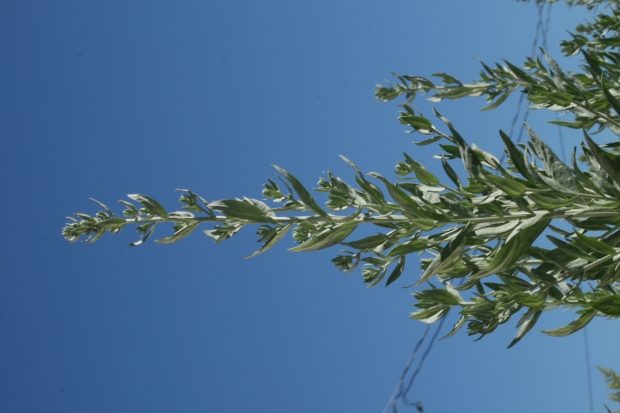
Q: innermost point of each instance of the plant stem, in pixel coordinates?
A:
(386, 219)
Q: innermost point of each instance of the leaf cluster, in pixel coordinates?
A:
(589, 4)
(612, 379)
(591, 96)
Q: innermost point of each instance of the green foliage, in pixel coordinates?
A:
(612, 379)
(590, 4)
(483, 229)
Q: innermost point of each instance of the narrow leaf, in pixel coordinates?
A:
(237, 209)
(450, 172)
(421, 172)
(448, 254)
(581, 176)
(419, 123)
(554, 167)
(397, 272)
(408, 248)
(431, 315)
(280, 233)
(112, 223)
(550, 202)
(576, 325)
(572, 125)
(367, 243)
(560, 98)
(492, 231)
(110, 213)
(514, 249)
(521, 74)
(151, 205)
(610, 98)
(180, 234)
(509, 186)
(456, 327)
(609, 166)
(303, 194)
(595, 244)
(327, 238)
(469, 157)
(146, 236)
(400, 197)
(531, 317)
(570, 249)
(428, 141)
(496, 103)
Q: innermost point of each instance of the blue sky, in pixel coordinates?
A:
(103, 99)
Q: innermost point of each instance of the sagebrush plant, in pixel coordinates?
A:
(489, 222)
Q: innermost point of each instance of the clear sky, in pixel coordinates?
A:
(102, 99)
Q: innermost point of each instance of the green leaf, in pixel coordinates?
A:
(554, 65)
(421, 172)
(595, 244)
(303, 194)
(521, 74)
(367, 243)
(431, 315)
(576, 325)
(447, 79)
(608, 305)
(279, 234)
(458, 209)
(351, 164)
(223, 232)
(397, 272)
(440, 295)
(448, 255)
(419, 123)
(550, 202)
(509, 186)
(527, 322)
(554, 167)
(409, 247)
(110, 213)
(246, 210)
(150, 228)
(581, 176)
(180, 234)
(470, 159)
(495, 230)
(609, 165)
(450, 172)
(429, 141)
(485, 157)
(514, 248)
(152, 206)
(570, 249)
(400, 197)
(592, 64)
(327, 238)
(131, 210)
(560, 98)
(537, 99)
(572, 125)
(425, 224)
(457, 326)
(112, 223)
(496, 103)
(610, 98)
(452, 150)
